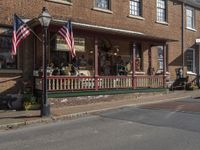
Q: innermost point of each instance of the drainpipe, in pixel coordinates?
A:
(96, 74)
(133, 66)
(164, 65)
(182, 37)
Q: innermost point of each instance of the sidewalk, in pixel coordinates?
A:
(62, 109)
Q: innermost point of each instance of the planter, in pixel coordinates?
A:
(31, 106)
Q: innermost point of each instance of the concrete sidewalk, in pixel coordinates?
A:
(14, 119)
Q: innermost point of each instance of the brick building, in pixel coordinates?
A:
(162, 33)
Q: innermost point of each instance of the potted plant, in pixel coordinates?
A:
(30, 102)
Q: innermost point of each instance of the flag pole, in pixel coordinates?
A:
(34, 33)
(31, 30)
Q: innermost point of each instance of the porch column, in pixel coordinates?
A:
(149, 61)
(133, 66)
(96, 74)
(164, 66)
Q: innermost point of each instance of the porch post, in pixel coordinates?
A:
(150, 61)
(96, 75)
(164, 66)
(133, 66)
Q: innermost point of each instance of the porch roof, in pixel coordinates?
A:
(194, 3)
(110, 30)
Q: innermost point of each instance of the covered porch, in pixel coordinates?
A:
(106, 59)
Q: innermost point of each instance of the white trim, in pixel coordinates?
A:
(136, 17)
(60, 2)
(163, 23)
(101, 27)
(191, 73)
(102, 10)
(191, 29)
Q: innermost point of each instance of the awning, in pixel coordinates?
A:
(110, 30)
(194, 3)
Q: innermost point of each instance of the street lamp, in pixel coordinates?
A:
(45, 19)
(198, 43)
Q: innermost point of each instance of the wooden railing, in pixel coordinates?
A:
(149, 81)
(66, 83)
(114, 82)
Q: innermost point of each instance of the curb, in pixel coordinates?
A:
(79, 115)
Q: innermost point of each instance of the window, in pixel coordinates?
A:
(190, 21)
(138, 59)
(161, 11)
(60, 50)
(190, 60)
(135, 8)
(6, 60)
(103, 4)
(160, 58)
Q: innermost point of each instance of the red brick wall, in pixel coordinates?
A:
(82, 11)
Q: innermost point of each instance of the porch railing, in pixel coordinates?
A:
(66, 83)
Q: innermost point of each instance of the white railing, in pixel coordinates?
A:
(66, 83)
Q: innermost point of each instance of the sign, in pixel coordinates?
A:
(79, 44)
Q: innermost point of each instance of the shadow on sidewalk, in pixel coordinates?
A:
(20, 117)
(196, 97)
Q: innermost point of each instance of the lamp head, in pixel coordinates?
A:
(45, 18)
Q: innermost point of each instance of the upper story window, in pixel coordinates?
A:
(103, 4)
(190, 15)
(190, 60)
(136, 7)
(161, 11)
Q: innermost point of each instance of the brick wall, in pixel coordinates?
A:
(82, 11)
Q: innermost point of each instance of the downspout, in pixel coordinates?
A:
(182, 37)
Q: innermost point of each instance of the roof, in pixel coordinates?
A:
(110, 30)
(194, 3)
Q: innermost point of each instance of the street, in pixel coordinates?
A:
(163, 126)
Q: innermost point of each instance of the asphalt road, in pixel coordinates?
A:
(128, 128)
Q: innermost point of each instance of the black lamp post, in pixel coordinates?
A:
(45, 19)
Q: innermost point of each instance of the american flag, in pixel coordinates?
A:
(20, 32)
(67, 33)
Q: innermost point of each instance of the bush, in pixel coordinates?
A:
(30, 102)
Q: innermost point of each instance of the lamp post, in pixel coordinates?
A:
(45, 20)
(198, 43)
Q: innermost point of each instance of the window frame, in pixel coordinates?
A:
(193, 23)
(7, 33)
(159, 18)
(193, 59)
(103, 8)
(160, 60)
(139, 11)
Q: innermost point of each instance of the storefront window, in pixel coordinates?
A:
(138, 60)
(60, 56)
(7, 61)
(160, 58)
